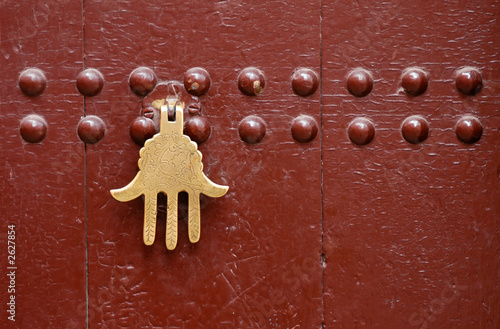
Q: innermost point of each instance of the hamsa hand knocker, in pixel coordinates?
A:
(170, 163)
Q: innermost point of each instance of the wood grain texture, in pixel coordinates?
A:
(258, 261)
(42, 188)
(411, 231)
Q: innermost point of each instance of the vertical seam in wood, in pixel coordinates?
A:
(85, 183)
(322, 259)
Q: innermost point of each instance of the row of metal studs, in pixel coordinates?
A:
(252, 129)
(251, 81)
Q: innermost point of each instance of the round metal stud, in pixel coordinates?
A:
(142, 129)
(305, 82)
(361, 131)
(33, 128)
(415, 129)
(32, 82)
(91, 129)
(197, 81)
(414, 81)
(469, 130)
(304, 129)
(360, 82)
(142, 80)
(469, 81)
(89, 82)
(197, 128)
(252, 129)
(251, 81)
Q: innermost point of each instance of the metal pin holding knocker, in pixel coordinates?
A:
(170, 163)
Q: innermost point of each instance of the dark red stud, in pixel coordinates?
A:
(197, 81)
(252, 129)
(304, 128)
(305, 82)
(32, 82)
(251, 81)
(89, 82)
(361, 131)
(142, 129)
(469, 130)
(469, 81)
(197, 128)
(91, 129)
(142, 80)
(359, 82)
(415, 129)
(414, 81)
(33, 128)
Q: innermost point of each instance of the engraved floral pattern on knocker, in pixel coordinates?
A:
(170, 163)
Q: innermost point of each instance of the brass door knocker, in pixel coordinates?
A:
(170, 163)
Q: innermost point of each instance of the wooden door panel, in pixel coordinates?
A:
(42, 190)
(321, 234)
(258, 260)
(410, 230)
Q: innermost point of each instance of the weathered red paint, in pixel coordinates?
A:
(42, 189)
(411, 231)
(257, 263)
(362, 202)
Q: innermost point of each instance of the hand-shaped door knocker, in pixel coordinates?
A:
(170, 163)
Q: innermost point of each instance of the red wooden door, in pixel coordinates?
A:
(371, 223)
(411, 230)
(42, 183)
(260, 246)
